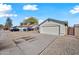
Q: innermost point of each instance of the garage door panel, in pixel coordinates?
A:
(54, 30)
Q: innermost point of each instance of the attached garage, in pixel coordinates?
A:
(53, 27)
(54, 30)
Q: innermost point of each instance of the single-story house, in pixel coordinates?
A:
(32, 26)
(76, 26)
(53, 27)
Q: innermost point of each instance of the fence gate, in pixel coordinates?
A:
(71, 31)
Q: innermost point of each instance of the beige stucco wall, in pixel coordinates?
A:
(66, 30)
(76, 30)
(63, 28)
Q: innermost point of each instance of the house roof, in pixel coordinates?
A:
(76, 25)
(54, 20)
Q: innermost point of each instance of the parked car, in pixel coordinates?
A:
(14, 29)
(29, 28)
(23, 29)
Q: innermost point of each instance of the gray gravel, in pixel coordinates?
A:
(34, 46)
(7, 46)
(15, 43)
(5, 42)
(37, 44)
(67, 45)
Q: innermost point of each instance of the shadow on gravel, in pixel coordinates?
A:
(5, 44)
(22, 39)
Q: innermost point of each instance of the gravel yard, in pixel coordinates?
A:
(33, 43)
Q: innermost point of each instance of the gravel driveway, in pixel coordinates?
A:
(35, 46)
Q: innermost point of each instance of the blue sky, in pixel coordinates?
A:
(60, 11)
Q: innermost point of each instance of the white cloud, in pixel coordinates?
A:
(26, 17)
(5, 7)
(8, 15)
(30, 7)
(75, 10)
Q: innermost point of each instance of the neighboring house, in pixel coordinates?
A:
(71, 31)
(76, 26)
(32, 26)
(35, 27)
(53, 27)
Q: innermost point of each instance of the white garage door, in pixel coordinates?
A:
(54, 30)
